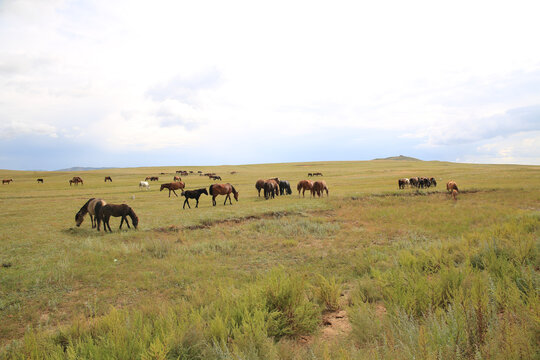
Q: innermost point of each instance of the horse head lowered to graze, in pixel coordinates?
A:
(318, 188)
(193, 194)
(173, 186)
(108, 178)
(105, 212)
(222, 189)
(40, 180)
(271, 188)
(89, 208)
(304, 185)
(451, 185)
(284, 187)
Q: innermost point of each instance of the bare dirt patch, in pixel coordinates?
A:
(336, 325)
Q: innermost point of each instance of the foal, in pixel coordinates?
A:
(193, 194)
(123, 210)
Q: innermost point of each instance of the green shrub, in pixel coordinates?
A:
(328, 293)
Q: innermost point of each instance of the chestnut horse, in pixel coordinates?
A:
(105, 212)
(89, 208)
(304, 185)
(271, 188)
(108, 178)
(222, 189)
(6, 181)
(259, 185)
(451, 185)
(173, 186)
(319, 187)
(177, 178)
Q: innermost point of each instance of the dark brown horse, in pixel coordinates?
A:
(173, 186)
(222, 189)
(76, 180)
(271, 188)
(123, 210)
(193, 194)
(40, 180)
(304, 185)
(259, 185)
(177, 178)
(6, 181)
(89, 208)
(108, 178)
(318, 188)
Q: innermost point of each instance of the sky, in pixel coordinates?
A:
(153, 83)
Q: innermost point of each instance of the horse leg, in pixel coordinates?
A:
(108, 224)
(226, 196)
(127, 222)
(122, 221)
(197, 205)
(174, 193)
(92, 220)
(213, 200)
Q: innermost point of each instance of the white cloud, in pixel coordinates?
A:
(174, 74)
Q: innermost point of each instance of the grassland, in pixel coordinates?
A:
(369, 272)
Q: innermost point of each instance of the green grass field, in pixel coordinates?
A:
(368, 272)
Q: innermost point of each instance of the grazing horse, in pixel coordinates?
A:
(433, 182)
(403, 182)
(40, 180)
(193, 194)
(108, 178)
(105, 212)
(144, 184)
(215, 177)
(304, 185)
(284, 188)
(451, 185)
(309, 174)
(317, 174)
(259, 185)
(89, 208)
(271, 188)
(177, 178)
(76, 180)
(318, 188)
(6, 181)
(173, 186)
(222, 189)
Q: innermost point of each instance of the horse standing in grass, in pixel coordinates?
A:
(144, 184)
(6, 181)
(193, 194)
(40, 180)
(284, 187)
(271, 188)
(108, 178)
(89, 208)
(318, 188)
(451, 185)
(259, 185)
(105, 212)
(173, 186)
(304, 185)
(177, 178)
(76, 180)
(222, 189)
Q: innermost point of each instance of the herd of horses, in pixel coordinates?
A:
(417, 182)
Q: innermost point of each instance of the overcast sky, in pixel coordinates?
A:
(142, 83)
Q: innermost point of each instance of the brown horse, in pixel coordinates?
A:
(89, 208)
(454, 194)
(173, 186)
(318, 188)
(222, 189)
(40, 180)
(76, 180)
(108, 178)
(259, 185)
(177, 178)
(271, 188)
(123, 210)
(6, 181)
(451, 185)
(304, 185)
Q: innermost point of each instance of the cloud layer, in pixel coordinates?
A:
(239, 82)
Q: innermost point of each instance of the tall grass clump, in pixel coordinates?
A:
(328, 292)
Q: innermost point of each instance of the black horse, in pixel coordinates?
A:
(284, 188)
(193, 194)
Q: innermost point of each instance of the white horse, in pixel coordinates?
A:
(144, 184)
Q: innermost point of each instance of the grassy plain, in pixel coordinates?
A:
(369, 272)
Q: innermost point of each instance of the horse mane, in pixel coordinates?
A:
(84, 208)
(233, 189)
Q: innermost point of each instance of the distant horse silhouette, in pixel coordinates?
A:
(89, 208)
(451, 185)
(271, 188)
(215, 177)
(193, 194)
(433, 182)
(105, 212)
(403, 182)
(222, 189)
(318, 188)
(76, 180)
(6, 181)
(173, 186)
(177, 178)
(304, 185)
(40, 180)
(144, 184)
(284, 188)
(108, 178)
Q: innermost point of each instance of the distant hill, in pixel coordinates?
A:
(400, 157)
(80, 168)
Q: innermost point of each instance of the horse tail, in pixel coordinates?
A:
(97, 209)
(210, 190)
